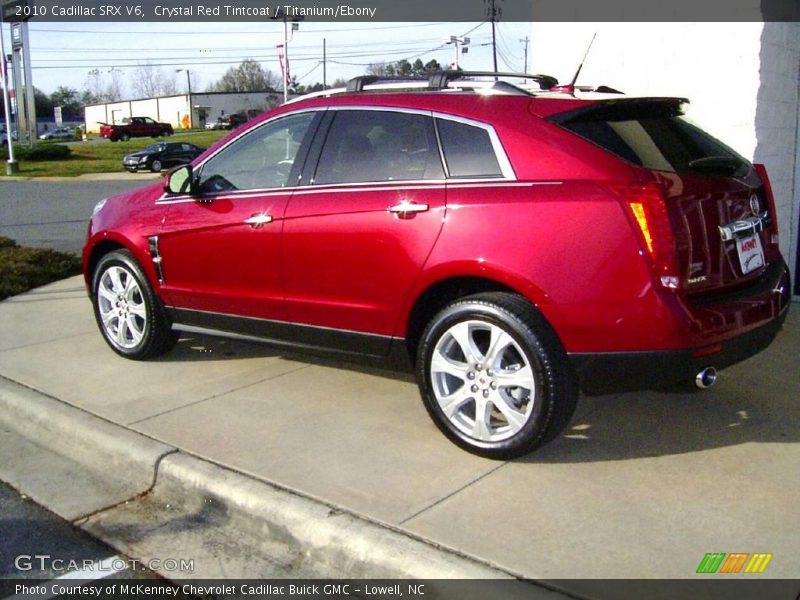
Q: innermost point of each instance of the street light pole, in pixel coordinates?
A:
(11, 165)
(281, 14)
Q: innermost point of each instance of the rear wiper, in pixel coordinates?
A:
(722, 165)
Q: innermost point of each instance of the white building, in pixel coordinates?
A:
(182, 110)
(743, 81)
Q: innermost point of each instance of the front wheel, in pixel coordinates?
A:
(494, 376)
(128, 313)
(155, 166)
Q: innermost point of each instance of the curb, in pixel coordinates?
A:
(323, 540)
(144, 177)
(102, 447)
(163, 485)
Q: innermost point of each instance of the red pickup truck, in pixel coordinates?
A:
(135, 127)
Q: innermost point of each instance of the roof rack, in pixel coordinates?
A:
(441, 79)
(438, 81)
(357, 84)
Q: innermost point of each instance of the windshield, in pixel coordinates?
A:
(153, 148)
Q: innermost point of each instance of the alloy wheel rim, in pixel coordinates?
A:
(483, 381)
(122, 308)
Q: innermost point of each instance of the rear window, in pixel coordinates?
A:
(655, 136)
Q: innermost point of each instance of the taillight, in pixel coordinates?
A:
(773, 216)
(648, 210)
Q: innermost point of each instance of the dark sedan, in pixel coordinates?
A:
(161, 155)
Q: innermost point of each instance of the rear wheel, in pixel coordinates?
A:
(128, 313)
(494, 377)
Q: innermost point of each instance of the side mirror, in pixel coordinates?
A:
(180, 180)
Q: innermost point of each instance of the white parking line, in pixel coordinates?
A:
(98, 570)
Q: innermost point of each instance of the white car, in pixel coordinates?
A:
(60, 133)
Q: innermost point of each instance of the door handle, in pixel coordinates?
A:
(406, 209)
(258, 220)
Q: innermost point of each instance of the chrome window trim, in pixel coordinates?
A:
(252, 130)
(499, 151)
(368, 186)
(506, 169)
(497, 146)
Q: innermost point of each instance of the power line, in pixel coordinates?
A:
(199, 32)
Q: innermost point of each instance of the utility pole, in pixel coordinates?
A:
(494, 14)
(188, 96)
(526, 40)
(324, 65)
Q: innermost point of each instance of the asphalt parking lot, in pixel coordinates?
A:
(639, 485)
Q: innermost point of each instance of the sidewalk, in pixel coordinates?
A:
(640, 485)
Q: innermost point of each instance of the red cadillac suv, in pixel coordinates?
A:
(512, 244)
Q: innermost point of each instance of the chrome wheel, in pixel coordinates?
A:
(482, 380)
(122, 308)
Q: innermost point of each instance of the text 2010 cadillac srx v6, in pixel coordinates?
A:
(512, 243)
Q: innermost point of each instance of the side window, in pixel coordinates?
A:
(468, 150)
(262, 158)
(379, 145)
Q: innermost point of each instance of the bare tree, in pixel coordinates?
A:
(169, 86)
(377, 68)
(148, 81)
(249, 76)
(94, 85)
(114, 87)
(103, 87)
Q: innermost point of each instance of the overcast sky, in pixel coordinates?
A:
(64, 53)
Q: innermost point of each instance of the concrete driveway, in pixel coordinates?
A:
(639, 485)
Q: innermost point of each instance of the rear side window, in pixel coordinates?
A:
(658, 137)
(379, 145)
(468, 150)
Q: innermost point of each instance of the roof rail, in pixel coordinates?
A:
(357, 84)
(441, 79)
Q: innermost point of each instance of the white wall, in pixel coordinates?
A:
(226, 104)
(741, 79)
(172, 109)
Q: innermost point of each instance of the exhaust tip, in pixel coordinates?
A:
(706, 378)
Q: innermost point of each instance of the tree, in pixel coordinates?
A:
(42, 102)
(114, 87)
(249, 76)
(377, 68)
(69, 101)
(307, 89)
(403, 68)
(148, 81)
(102, 89)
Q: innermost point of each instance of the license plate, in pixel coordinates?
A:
(751, 255)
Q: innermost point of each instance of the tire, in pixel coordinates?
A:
(155, 166)
(469, 356)
(125, 137)
(121, 294)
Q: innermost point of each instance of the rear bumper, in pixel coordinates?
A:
(610, 372)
